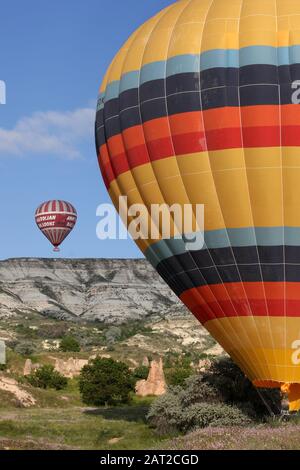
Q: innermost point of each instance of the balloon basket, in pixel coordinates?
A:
(56, 249)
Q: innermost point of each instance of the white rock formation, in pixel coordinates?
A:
(110, 291)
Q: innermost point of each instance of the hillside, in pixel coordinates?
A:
(109, 291)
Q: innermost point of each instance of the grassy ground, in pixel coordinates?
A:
(76, 428)
(283, 437)
(124, 428)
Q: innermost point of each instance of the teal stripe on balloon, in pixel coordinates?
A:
(129, 81)
(189, 63)
(153, 71)
(112, 90)
(214, 239)
(259, 55)
(183, 64)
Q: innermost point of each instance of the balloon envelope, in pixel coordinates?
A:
(200, 106)
(56, 219)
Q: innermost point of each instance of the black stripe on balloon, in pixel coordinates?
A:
(228, 96)
(254, 95)
(152, 89)
(182, 82)
(129, 99)
(154, 109)
(124, 112)
(130, 118)
(100, 118)
(111, 108)
(183, 281)
(226, 256)
(215, 77)
(257, 74)
(239, 264)
(100, 137)
(112, 127)
(188, 102)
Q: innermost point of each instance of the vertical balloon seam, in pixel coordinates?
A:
(149, 159)
(240, 359)
(117, 180)
(243, 350)
(187, 5)
(279, 105)
(237, 353)
(283, 184)
(155, 171)
(225, 333)
(265, 366)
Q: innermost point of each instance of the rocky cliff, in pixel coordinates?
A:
(108, 291)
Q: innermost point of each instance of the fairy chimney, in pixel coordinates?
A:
(155, 385)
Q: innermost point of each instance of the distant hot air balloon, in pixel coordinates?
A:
(56, 219)
(201, 105)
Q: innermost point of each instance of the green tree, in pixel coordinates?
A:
(178, 375)
(141, 373)
(69, 344)
(47, 377)
(105, 382)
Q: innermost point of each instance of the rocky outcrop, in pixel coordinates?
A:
(155, 385)
(146, 362)
(70, 368)
(22, 396)
(107, 290)
(29, 367)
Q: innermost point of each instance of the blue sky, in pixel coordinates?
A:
(53, 56)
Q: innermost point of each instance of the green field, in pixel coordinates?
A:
(76, 428)
(125, 429)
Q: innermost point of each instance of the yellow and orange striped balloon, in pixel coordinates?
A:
(199, 107)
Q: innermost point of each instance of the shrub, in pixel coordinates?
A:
(47, 377)
(178, 375)
(53, 330)
(25, 331)
(221, 396)
(202, 415)
(197, 390)
(25, 348)
(141, 373)
(232, 385)
(113, 335)
(166, 413)
(105, 382)
(69, 344)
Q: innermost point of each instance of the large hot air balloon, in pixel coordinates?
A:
(201, 106)
(56, 219)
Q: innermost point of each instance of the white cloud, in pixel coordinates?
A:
(52, 133)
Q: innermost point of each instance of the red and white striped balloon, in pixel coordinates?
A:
(56, 219)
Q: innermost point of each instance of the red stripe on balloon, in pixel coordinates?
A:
(273, 299)
(221, 139)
